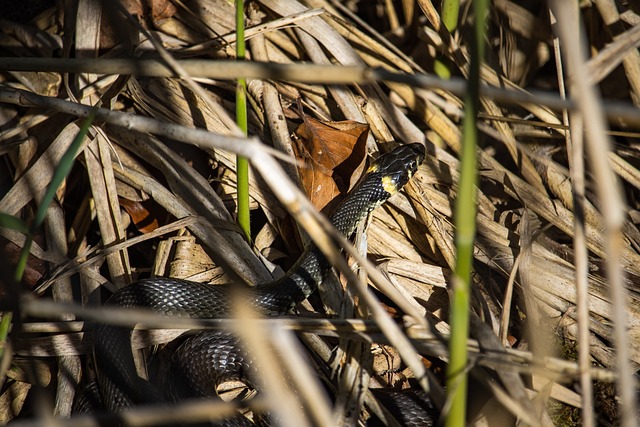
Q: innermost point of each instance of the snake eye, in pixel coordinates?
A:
(412, 167)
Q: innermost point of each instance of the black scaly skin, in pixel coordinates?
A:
(411, 408)
(206, 359)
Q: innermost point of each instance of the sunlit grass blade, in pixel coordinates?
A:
(242, 164)
(465, 222)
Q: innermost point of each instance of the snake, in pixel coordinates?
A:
(208, 358)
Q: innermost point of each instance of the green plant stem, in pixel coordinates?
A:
(242, 164)
(61, 172)
(465, 222)
(449, 15)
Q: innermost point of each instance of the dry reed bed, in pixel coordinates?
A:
(525, 270)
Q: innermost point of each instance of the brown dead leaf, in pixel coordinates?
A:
(143, 218)
(334, 155)
(162, 9)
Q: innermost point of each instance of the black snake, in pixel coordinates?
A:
(208, 358)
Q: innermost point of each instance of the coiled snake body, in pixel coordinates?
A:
(205, 359)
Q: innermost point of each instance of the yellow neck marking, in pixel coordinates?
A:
(388, 185)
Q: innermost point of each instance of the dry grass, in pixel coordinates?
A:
(545, 288)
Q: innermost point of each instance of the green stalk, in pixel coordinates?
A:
(449, 16)
(242, 164)
(465, 223)
(8, 221)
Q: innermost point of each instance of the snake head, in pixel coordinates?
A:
(398, 166)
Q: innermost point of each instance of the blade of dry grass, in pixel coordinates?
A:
(575, 145)
(598, 147)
